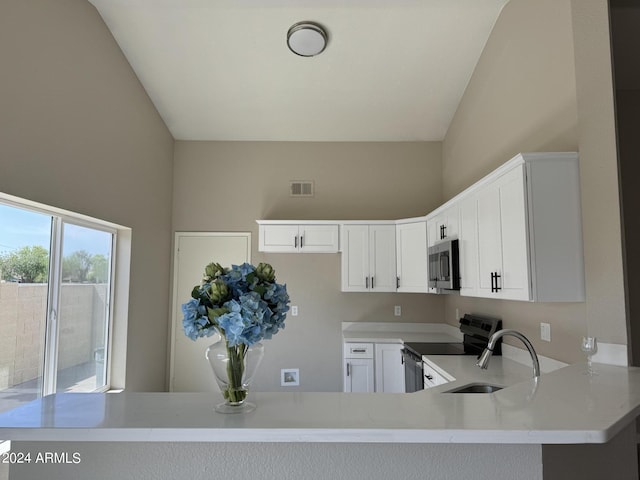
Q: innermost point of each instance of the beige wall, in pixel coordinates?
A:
(227, 186)
(533, 91)
(77, 131)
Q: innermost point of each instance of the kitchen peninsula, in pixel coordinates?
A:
(561, 424)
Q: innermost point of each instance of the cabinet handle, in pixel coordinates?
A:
(372, 282)
(494, 282)
(397, 282)
(428, 377)
(348, 370)
(301, 240)
(358, 350)
(296, 242)
(366, 282)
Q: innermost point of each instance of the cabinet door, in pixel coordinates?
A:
(278, 238)
(355, 258)
(389, 370)
(502, 238)
(411, 257)
(358, 375)
(382, 258)
(447, 223)
(468, 246)
(318, 238)
(489, 239)
(433, 232)
(515, 283)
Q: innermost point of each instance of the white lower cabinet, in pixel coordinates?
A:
(358, 367)
(434, 375)
(358, 375)
(370, 367)
(389, 371)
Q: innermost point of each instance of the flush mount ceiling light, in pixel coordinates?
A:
(307, 39)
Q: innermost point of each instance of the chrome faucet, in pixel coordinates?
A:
(483, 361)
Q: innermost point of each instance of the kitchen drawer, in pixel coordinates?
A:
(358, 350)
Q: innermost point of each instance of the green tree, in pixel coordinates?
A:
(75, 267)
(99, 272)
(30, 264)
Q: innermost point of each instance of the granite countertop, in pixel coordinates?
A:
(563, 407)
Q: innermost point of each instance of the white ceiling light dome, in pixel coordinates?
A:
(307, 39)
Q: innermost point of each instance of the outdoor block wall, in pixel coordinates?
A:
(22, 325)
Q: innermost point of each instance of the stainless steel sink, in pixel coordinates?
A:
(476, 388)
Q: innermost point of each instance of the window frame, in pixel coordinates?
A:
(51, 334)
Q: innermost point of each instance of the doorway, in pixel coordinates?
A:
(193, 251)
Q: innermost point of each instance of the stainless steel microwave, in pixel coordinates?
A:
(444, 269)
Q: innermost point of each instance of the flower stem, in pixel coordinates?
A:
(235, 391)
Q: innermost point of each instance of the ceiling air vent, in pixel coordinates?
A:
(301, 189)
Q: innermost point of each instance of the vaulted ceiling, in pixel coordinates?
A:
(393, 70)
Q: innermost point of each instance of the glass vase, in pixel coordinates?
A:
(234, 368)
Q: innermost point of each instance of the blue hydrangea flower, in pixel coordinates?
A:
(257, 309)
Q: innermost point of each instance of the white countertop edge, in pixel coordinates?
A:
(319, 435)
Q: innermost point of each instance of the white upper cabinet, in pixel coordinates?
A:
(291, 238)
(444, 225)
(503, 264)
(468, 246)
(411, 257)
(369, 258)
(521, 234)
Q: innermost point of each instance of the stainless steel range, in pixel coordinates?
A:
(476, 331)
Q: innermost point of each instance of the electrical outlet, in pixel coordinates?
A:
(294, 310)
(397, 310)
(545, 332)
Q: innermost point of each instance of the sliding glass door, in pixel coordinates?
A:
(55, 298)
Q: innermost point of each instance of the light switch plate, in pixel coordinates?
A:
(397, 310)
(545, 332)
(294, 310)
